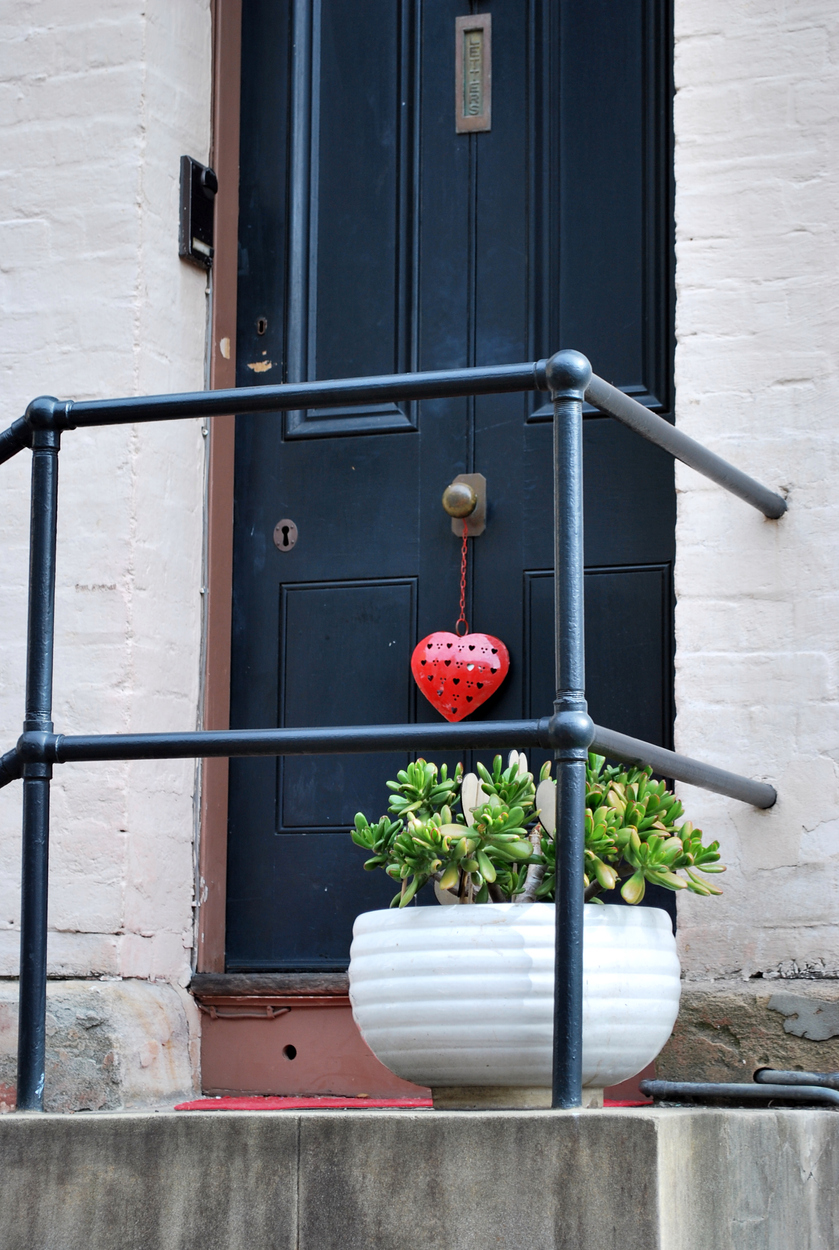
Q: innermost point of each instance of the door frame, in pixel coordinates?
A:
(211, 886)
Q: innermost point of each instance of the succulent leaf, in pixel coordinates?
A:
(631, 834)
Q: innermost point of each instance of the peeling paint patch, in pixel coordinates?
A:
(261, 366)
(224, 348)
(807, 1017)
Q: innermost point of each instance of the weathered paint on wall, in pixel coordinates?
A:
(757, 370)
(99, 103)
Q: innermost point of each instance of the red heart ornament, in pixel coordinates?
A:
(457, 675)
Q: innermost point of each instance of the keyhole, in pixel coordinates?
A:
(285, 534)
(262, 325)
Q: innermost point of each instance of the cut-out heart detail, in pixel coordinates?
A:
(457, 675)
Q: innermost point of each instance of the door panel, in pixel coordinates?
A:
(603, 184)
(352, 220)
(358, 220)
(628, 662)
(375, 238)
(292, 906)
(629, 504)
(334, 670)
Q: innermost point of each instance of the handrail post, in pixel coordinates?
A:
(36, 776)
(568, 375)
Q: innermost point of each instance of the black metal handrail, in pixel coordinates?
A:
(360, 739)
(569, 732)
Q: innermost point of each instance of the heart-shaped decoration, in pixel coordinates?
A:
(457, 675)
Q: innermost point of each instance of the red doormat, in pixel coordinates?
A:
(264, 1103)
(301, 1104)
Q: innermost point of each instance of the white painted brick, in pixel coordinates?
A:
(71, 954)
(97, 104)
(757, 368)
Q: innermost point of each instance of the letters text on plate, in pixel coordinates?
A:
(473, 59)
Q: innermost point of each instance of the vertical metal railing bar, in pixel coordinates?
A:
(37, 774)
(568, 375)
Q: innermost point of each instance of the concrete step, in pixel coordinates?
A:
(633, 1179)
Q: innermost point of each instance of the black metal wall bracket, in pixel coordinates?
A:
(199, 187)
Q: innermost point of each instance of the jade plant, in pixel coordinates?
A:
(490, 837)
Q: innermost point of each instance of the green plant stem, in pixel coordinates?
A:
(535, 872)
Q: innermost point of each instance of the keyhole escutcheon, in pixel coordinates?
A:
(285, 534)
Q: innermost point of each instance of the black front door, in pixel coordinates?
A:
(375, 238)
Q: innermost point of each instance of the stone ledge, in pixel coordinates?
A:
(269, 984)
(598, 1180)
(110, 1044)
(728, 1029)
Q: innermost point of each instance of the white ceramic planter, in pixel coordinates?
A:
(463, 996)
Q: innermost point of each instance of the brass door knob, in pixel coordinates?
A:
(459, 499)
(465, 500)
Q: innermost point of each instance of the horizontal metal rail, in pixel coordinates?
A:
(669, 764)
(360, 739)
(338, 740)
(433, 384)
(656, 430)
(13, 440)
(287, 396)
(11, 767)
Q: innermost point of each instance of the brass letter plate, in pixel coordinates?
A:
(473, 73)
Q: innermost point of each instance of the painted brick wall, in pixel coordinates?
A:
(97, 103)
(757, 370)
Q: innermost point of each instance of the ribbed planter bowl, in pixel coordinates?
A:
(463, 996)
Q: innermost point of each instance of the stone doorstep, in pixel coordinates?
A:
(657, 1179)
(726, 1030)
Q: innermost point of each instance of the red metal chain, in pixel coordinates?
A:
(461, 620)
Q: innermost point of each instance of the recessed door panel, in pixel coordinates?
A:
(628, 661)
(342, 663)
(299, 915)
(629, 497)
(352, 221)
